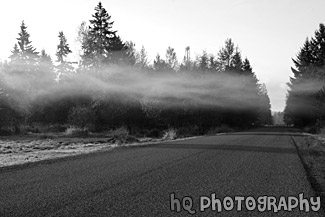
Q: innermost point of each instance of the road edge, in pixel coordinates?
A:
(318, 189)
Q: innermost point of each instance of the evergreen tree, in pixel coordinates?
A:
(304, 59)
(214, 64)
(318, 43)
(28, 52)
(187, 64)
(236, 62)
(131, 52)
(171, 59)
(226, 54)
(15, 55)
(64, 68)
(265, 115)
(24, 54)
(62, 49)
(309, 74)
(142, 58)
(118, 51)
(23, 64)
(46, 71)
(246, 66)
(203, 62)
(160, 65)
(102, 46)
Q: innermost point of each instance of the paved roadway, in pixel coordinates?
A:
(138, 181)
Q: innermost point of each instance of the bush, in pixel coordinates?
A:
(221, 129)
(154, 133)
(170, 134)
(82, 117)
(76, 131)
(119, 132)
(311, 129)
(47, 136)
(322, 131)
(189, 131)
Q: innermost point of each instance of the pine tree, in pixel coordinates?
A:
(15, 55)
(236, 62)
(24, 54)
(131, 52)
(46, 70)
(62, 49)
(187, 64)
(118, 51)
(64, 68)
(265, 115)
(160, 65)
(171, 59)
(304, 59)
(102, 46)
(23, 64)
(142, 58)
(318, 43)
(203, 62)
(309, 75)
(28, 52)
(246, 66)
(226, 54)
(214, 64)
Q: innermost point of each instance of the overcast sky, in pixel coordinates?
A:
(268, 32)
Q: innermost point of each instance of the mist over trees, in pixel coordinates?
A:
(305, 100)
(115, 85)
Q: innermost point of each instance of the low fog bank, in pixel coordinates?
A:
(137, 99)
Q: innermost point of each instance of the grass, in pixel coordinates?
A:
(31, 146)
(38, 142)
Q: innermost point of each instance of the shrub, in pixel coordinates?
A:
(76, 131)
(82, 117)
(221, 129)
(311, 129)
(119, 132)
(47, 136)
(170, 134)
(154, 133)
(189, 131)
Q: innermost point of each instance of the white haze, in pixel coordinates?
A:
(227, 90)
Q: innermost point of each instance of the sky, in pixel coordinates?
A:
(268, 32)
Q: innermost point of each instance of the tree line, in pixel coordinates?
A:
(114, 85)
(305, 105)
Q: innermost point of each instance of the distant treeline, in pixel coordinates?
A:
(305, 106)
(114, 85)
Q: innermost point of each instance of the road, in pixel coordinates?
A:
(139, 181)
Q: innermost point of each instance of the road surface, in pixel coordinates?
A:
(150, 180)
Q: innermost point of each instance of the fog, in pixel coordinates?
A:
(201, 89)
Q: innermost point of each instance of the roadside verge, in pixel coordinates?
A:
(311, 150)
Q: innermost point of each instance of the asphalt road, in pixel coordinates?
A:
(139, 181)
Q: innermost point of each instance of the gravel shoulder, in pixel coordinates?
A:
(311, 149)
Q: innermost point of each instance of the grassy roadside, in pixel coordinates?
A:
(23, 149)
(31, 147)
(311, 150)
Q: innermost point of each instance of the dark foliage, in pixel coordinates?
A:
(305, 101)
